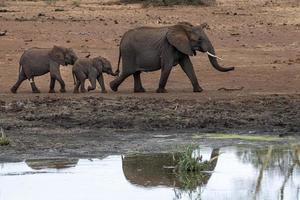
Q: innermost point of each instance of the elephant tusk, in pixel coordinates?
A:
(212, 55)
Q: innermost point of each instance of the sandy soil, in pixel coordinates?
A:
(259, 38)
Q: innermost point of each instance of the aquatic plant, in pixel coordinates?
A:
(192, 172)
(3, 139)
(188, 163)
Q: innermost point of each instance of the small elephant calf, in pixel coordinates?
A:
(92, 69)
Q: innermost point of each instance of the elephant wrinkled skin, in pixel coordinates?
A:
(91, 68)
(148, 49)
(39, 61)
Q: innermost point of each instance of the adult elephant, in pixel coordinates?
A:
(148, 49)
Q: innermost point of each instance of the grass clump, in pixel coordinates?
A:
(191, 170)
(4, 141)
(189, 162)
(2, 4)
(76, 3)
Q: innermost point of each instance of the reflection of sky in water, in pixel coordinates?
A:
(104, 179)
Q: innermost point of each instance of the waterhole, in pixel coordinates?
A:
(235, 173)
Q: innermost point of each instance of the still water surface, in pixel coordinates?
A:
(238, 173)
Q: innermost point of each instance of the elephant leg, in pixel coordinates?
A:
(22, 77)
(52, 85)
(165, 72)
(138, 87)
(62, 84)
(93, 83)
(55, 73)
(80, 82)
(33, 86)
(76, 88)
(187, 67)
(82, 86)
(101, 82)
(115, 83)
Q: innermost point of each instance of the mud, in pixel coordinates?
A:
(89, 126)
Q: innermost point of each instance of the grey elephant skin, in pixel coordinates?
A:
(92, 69)
(147, 49)
(39, 61)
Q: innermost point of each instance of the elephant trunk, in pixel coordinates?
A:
(213, 60)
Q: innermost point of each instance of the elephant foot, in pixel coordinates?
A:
(113, 86)
(139, 90)
(161, 90)
(36, 91)
(75, 91)
(51, 91)
(13, 90)
(90, 88)
(197, 89)
(62, 90)
(103, 91)
(83, 90)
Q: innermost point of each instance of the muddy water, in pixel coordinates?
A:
(237, 173)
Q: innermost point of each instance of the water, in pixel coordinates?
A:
(237, 173)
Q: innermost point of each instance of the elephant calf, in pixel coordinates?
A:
(92, 69)
(39, 61)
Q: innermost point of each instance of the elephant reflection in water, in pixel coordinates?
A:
(155, 170)
(62, 163)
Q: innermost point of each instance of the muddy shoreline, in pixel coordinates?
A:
(94, 126)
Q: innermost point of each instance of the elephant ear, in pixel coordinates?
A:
(57, 55)
(178, 37)
(97, 63)
(106, 64)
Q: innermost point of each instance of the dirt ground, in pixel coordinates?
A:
(260, 38)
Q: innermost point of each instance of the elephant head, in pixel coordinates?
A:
(188, 39)
(63, 56)
(103, 65)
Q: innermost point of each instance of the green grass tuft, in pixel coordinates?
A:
(4, 141)
(189, 163)
(76, 3)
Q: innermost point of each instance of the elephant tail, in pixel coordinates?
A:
(119, 61)
(20, 68)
